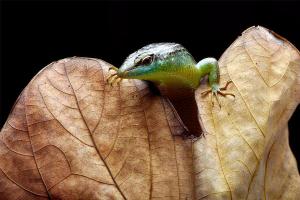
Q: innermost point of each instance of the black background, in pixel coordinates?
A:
(33, 34)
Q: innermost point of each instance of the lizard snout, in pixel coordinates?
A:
(121, 73)
(124, 70)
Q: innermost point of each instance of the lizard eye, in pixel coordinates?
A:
(146, 60)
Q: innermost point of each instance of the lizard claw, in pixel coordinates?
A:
(113, 78)
(113, 68)
(217, 90)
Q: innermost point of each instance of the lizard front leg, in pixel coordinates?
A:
(210, 67)
(114, 78)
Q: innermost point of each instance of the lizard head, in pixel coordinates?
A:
(155, 62)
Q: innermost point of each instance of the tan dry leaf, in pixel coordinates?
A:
(71, 136)
(245, 154)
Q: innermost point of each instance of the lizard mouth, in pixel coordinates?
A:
(128, 73)
(125, 70)
(123, 74)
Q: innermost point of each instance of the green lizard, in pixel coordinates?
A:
(175, 73)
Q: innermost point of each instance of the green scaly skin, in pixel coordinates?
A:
(175, 73)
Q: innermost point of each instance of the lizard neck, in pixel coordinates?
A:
(177, 72)
(180, 79)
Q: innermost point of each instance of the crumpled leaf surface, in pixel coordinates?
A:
(246, 154)
(71, 136)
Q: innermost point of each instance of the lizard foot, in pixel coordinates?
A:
(113, 68)
(114, 78)
(215, 90)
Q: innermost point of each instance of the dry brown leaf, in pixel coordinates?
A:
(246, 154)
(71, 136)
